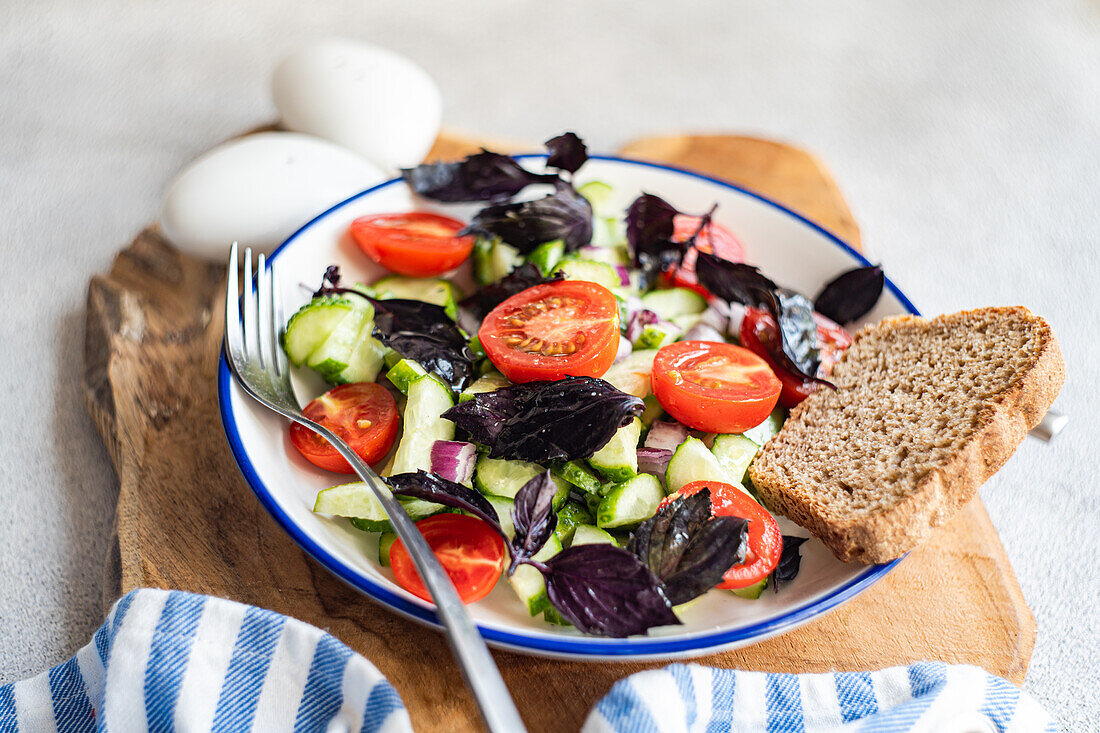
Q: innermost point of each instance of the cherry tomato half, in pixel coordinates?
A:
(758, 333)
(554, 330)
(714, 239)
(364, 415)
(467, 548)
(765, 539)
(718, 388)
(418, 244)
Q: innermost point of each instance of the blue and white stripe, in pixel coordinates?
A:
(926, 696)
(167, 660)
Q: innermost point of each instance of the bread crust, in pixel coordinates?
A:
(889, 533)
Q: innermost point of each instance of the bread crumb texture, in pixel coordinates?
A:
(924, 412)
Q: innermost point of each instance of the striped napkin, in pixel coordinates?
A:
(167, 660)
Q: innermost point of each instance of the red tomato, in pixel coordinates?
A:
(470, 552)
(765, 539)
(758, 329)
(418, 244)
(364, 415)
(714, 239)
(554, 330)
(717, 388)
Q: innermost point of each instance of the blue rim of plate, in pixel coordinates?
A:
(595, 647)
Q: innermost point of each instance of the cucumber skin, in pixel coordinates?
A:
(298, 355)
(641, 496)
(547, 256)
(385, 544)
(731, 452)
(422, 430)
(404, 373)
(669, 304)
(617, 461)
(768, 429)
(579, 475)
(751, 592)
(693, 461)
(591, 535)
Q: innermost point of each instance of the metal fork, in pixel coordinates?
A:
(260, 366)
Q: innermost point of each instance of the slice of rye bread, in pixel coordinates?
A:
(924, 412)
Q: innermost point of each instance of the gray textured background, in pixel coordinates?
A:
(966, 136)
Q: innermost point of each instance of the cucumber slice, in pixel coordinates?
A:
(488, 382)
(385, 542)
(428, 399)
(631, 375)
(586, 534)
(357, 502)
(426, 289)
(692, 461)
(735, 453)
(768, 429)
(609, 255)
(366, 360)
(598, 194)
(656, 335)
(630, 503)
(669, 304)
(313, 324)
(334, 354)
(404, 373)
(481, 261)
(580, 476)
(608, 231)
(528, 583)
(653, 410)
(553, 616)
(503, 507)
(546, 256)
(570, 515)
(600, 273)
(493, 259)
(751, 592)
(618, 460)
(500, 477)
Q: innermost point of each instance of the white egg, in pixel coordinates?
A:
(369, 99)
(259, 190)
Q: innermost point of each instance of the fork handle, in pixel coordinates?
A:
(498, 710)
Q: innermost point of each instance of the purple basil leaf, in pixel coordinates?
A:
(563, 420)
(790, 561)
(564, 215)
(741, 283)
(485, 176)
(429, 487)
(533, 516)
(485, 299)
(330, 284)
(423, 332)
(851, 294)
(567, 152)
(602, 589)
(712, 550)
(687, 548)
(796, 321)
(649, 229)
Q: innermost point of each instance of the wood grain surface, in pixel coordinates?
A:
(187, 519)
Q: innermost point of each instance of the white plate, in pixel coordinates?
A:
(793, 251)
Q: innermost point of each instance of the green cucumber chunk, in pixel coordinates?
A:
(586, 534)
(656, 335)
(357, 502)
(693, 461)
(503, 507)
(653, 410)
(546, 256)
(432, 290)
(751, 592)
(668, 304)
(312, 325)
(569, 516)
(580, 476)
(366, 360)
(527, 582)
(630, 503)
(553, 616)
(385, 542)
(600, 273)
(598, 194)
(427, 399)
(488, 382)
(334, 354)
(404, 373)
(501, 477)
(617, 460)
(631, 375)
(735, 453)
(768, 429)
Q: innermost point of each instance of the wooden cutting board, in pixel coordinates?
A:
(187, 519)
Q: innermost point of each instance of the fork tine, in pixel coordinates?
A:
(263, 303)
(234, 339)
(251, 340)
(278, 321)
